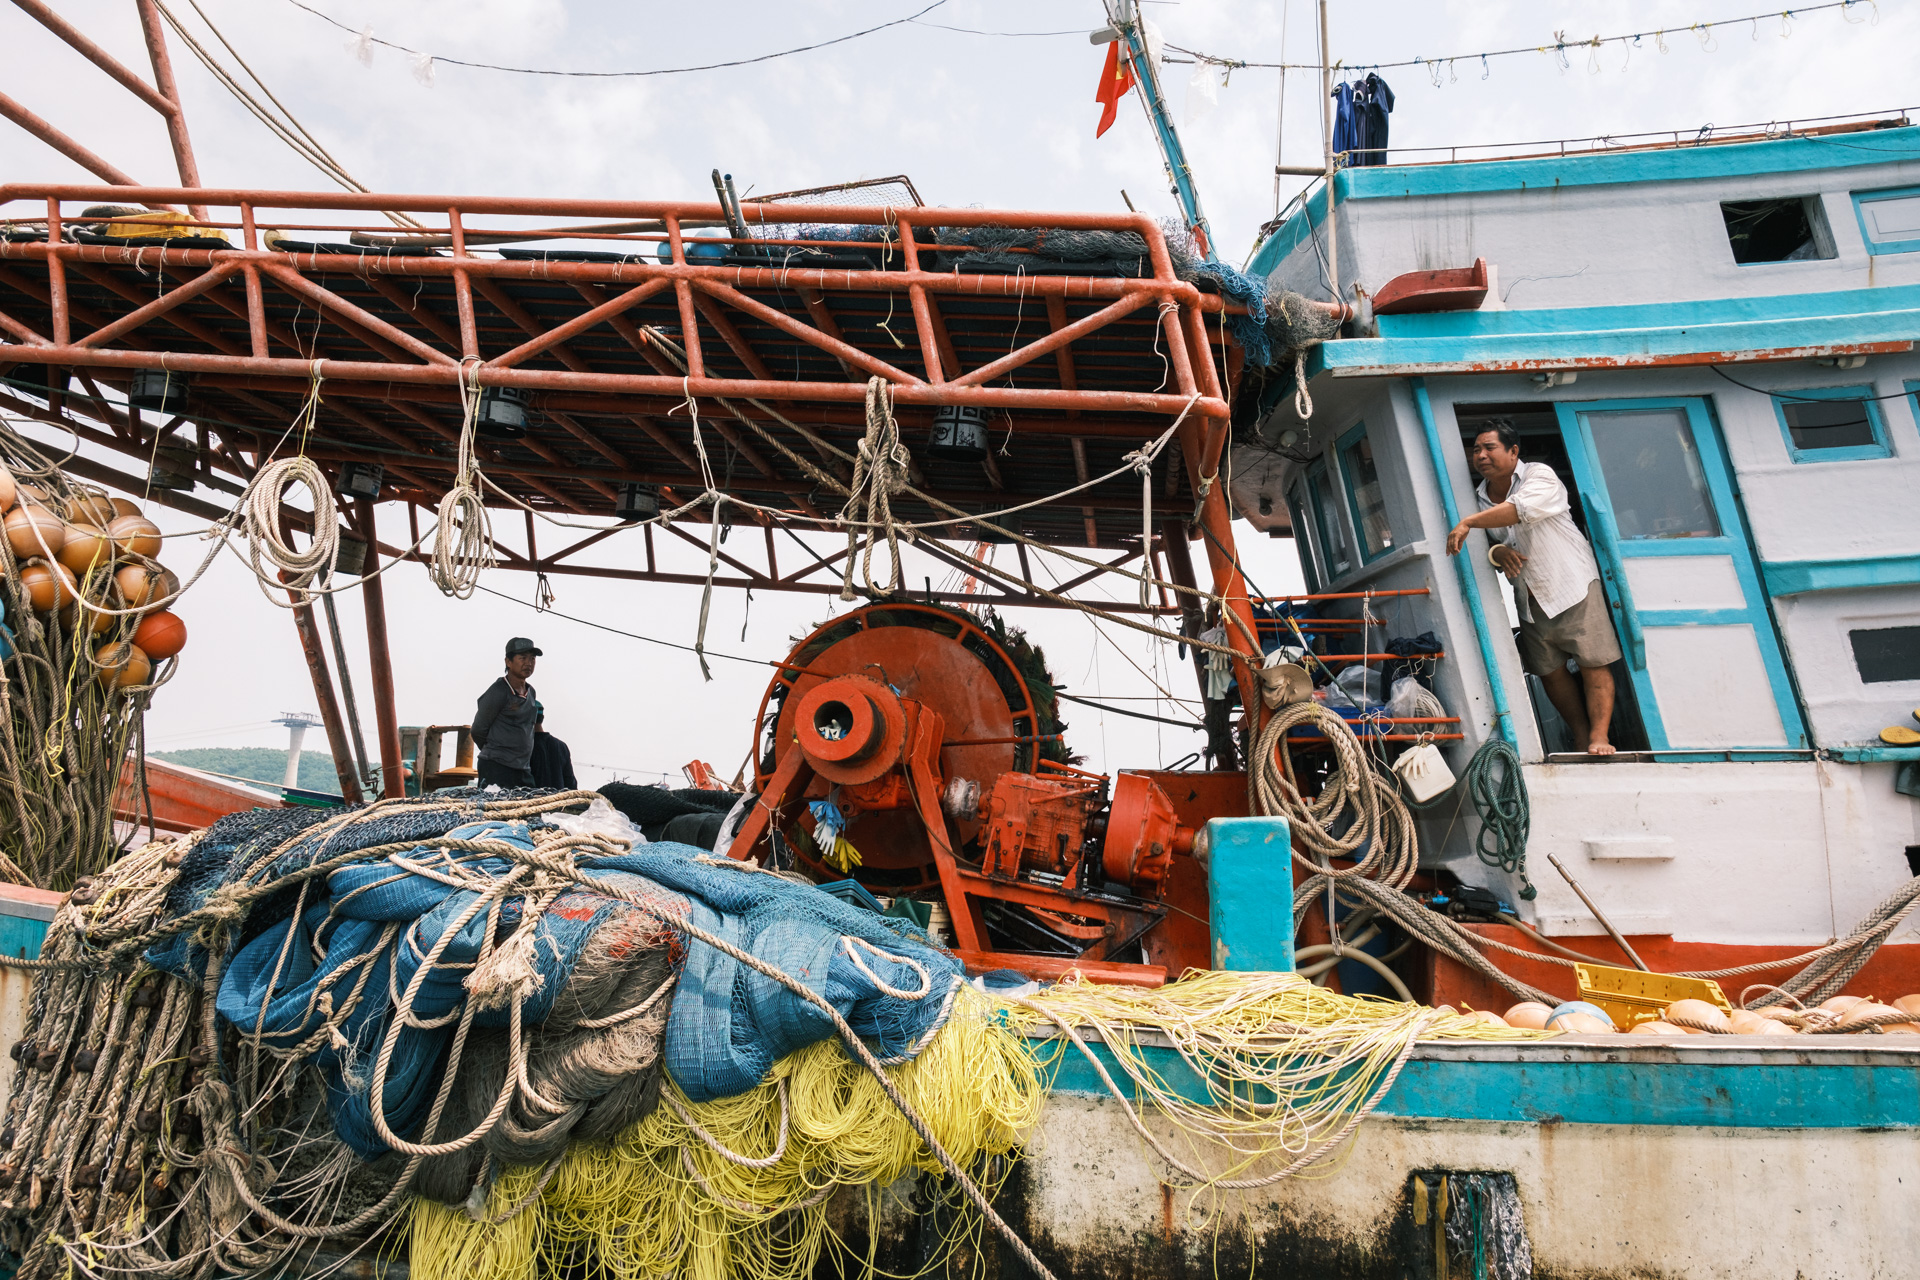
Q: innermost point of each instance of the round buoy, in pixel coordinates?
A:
(122, 665)
(135, 536)
(9, 491)
(1862, 1010)
(161, 635)
(87, 547)
(141, 586)
(1745, 1022)
(1697, 1015)
(48, 586)
(1530, 1014)
(91, 508)
(1656, 1028)
(124, 507)
(1487, 1018)
(1840, 1004)
(35, 531)
(1580, 1018)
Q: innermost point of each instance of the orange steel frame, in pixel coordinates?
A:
(409, 371)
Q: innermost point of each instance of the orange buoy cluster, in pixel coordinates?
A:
(1839, 1015)
(91, 560)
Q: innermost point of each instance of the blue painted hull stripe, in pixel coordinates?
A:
(1791, 1095)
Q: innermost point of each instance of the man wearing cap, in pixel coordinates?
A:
(552, 762)
(503, 722)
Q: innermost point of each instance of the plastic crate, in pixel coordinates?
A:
(854, 894)
(1630, 996)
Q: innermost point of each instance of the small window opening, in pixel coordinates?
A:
(1829, 424)
(1886, 654)
(1790, 230)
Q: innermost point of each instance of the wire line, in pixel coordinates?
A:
(614, 75)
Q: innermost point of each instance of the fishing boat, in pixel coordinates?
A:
(1710, 342)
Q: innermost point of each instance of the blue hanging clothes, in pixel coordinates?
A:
(1372, 103)
(1346, 125)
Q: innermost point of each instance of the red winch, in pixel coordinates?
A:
(935, 741)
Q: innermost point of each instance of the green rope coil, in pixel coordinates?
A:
(1499, 793)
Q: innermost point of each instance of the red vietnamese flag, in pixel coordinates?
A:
(1116, 79)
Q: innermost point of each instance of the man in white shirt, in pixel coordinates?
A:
(1563, 612)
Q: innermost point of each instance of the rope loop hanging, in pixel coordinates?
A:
(463, 537)
(880, 471)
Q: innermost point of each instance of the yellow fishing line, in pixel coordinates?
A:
(1270, 1072)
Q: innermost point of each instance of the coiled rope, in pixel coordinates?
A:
(261, 513)
(463, 538)
(1499, 793)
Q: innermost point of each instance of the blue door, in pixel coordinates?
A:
(1679, 574)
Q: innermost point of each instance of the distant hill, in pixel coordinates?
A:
(262, 764)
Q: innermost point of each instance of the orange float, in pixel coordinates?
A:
(48, 586)
(35, 531)
(87, 547)
(122, 665)
(135, 536)
(9, 491)
(141, 586)
(91, 508)
(160, 635)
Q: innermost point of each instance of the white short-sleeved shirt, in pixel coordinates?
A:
(1560, 565)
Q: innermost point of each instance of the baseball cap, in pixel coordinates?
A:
(520, 644)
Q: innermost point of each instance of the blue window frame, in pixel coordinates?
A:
(1365, 500)
(1303, 536)
(1336, 560)
(1831, 424)
(1889, 220)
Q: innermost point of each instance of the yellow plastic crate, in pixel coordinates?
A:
(1630, 996)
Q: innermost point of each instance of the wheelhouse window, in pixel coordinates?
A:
(1832, 424)
(1303, 538)
(1367, 502)
(1789, 230)
(1889, 220)
(1335, 557)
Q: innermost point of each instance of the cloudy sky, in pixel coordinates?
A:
(1003, 119)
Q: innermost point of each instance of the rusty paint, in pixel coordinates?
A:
(1752, 355)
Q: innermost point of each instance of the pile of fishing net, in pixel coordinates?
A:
(313, 1019)
(513, 1039)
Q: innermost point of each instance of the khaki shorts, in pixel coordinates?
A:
(1583, 633)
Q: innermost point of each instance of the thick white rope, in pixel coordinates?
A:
(463, 540)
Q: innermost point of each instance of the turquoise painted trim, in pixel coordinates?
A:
(1343, 449)
(1875, 420)
(1148, 83)
(1554, 345)
(1548, 1089)
(1795, 577)
(20, 936)
(1612, 551)
(1250, 893)
(1863, 198)
(1463, 563)
(1743, 1096)
(1639, 316)
(1303, 535)
(1875, 755)
(1673, 164)
(1549, 174)
(1321, 517)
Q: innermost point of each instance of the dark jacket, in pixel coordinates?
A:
(552, 762)
(503, 725)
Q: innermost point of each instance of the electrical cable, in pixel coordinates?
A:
(1558, 46)
(1787, 397)
(614, 75)
(1137, 715)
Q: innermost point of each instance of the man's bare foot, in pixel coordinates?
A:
(1599, 747)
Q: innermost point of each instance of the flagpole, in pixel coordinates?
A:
(1326, 117)
(1132, 31)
